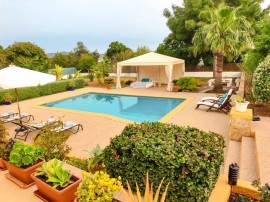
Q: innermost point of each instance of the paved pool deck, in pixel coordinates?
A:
(99, 130)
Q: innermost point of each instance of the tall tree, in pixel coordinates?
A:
(87, 62)
(81, 49)
(3, 60)
(225, 33)
(114, 49)
(142, 50)
(27, 55)
(60, 59)
(184, 21)
(261, 46)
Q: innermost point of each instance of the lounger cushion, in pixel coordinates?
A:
(145, 80)
(51, 120)
(222, 99)
(10, 112)
(69, 124)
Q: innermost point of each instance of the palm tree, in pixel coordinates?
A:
(57, 71)
(225, 33)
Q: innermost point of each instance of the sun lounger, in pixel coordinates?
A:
(69, 126)
(222, 104)
(23, 131)
(216, 98)
(144, 83)
(15, 119)
(8, 114)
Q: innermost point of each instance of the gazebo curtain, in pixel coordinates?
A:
(169, 71)
(118, 81)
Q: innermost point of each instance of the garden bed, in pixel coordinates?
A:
(241, 198)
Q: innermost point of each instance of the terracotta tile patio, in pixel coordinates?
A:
(99, 130)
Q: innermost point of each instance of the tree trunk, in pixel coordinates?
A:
(218, 71)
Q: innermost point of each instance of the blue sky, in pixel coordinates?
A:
(57, 25)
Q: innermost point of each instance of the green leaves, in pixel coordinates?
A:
(24, 155)
(55, 173)
(187, 157)
(261, 81)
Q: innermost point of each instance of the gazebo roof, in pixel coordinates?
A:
(151, 59)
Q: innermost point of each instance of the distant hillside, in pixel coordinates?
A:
(50, 55)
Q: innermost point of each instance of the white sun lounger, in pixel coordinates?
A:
(69, 126)
(8, 114)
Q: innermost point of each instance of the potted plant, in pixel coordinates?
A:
(97, 187)
(108, 82)
(241, 104)
(91, 76)
(55, 182)
(22, 161)
(3, 143)
(175, 86)
(71, 85)
(7, 98)
(149, 192)
(96, 161)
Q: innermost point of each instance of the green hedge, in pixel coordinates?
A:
(188, 158)
(47, 89)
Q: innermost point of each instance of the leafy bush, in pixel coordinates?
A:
(24, 155)
(55, 173)
(264, 189)
(81, 163)
(3, 133)
(96, 160)
(2, 150)
(128, 82)
(187, 84)
(97, 187)
(188, 158)
(47, 89)
(53, 142)
(261, 81)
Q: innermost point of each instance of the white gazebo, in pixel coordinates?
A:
(156, 66)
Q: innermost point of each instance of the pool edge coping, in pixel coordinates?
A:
(164, 119)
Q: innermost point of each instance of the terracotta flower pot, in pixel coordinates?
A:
(21, 174)
(65, 195)
(176, 89)
(109, 86)
(2, 164)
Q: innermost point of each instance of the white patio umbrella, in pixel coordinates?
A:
(13, 77)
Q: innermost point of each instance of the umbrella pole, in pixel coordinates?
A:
(19, 110)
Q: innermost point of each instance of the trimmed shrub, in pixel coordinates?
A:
(47, 89)
(187, 84)
(261, 81)
(54, 143)
(188, 158)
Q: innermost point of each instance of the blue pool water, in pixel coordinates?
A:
(133, 108)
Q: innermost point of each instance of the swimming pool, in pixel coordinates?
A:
(133, 108)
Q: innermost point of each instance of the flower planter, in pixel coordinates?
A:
(2, 164)
(21, 174)
(7, 102)
(176, 89)
(241, 107)
(65, 195)
(109, 86)
(71, 88)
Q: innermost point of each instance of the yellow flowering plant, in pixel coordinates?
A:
(98, 187)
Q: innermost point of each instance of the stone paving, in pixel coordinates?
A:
(99, 130)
